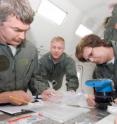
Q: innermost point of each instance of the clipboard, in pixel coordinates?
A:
(15, 110)
(23, 109)
(18, 113)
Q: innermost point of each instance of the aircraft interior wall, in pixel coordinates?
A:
(43, 30)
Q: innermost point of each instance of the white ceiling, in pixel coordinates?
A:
(87, 5)
(94, 11)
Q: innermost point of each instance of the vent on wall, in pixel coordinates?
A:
(90, 22)
(41, 51)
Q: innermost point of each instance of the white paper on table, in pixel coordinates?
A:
(11, 109)
(61, 113)
(74, 99)
(112, 109)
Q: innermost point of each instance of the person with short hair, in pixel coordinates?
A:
(18, 57)
(55, 64)
(104, 54)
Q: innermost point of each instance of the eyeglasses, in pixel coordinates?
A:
(90, 55)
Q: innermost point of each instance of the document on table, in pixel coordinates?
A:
(13, 110)
(74, 99)
(61, 113)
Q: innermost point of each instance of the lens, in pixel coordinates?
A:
(103, 99)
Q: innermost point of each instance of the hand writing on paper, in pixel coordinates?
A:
(19, 98)
(51, 95)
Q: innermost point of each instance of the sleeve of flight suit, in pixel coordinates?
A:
(36, 84)
(43, 82)
(71, 75)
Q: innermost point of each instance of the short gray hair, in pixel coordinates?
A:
(19, 8)
(58, 38)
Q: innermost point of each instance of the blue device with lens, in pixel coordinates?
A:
(103, 92)
(100, 85)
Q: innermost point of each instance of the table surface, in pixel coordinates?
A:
(61, 113)
(91, 117)
(107, 120)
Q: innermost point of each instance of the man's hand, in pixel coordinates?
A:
(90, 100)
(115, 100)
(15, 97)
(115, 121)
(47, 94)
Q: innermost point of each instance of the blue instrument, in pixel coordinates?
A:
(100, 85)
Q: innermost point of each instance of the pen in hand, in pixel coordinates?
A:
(19, 101)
